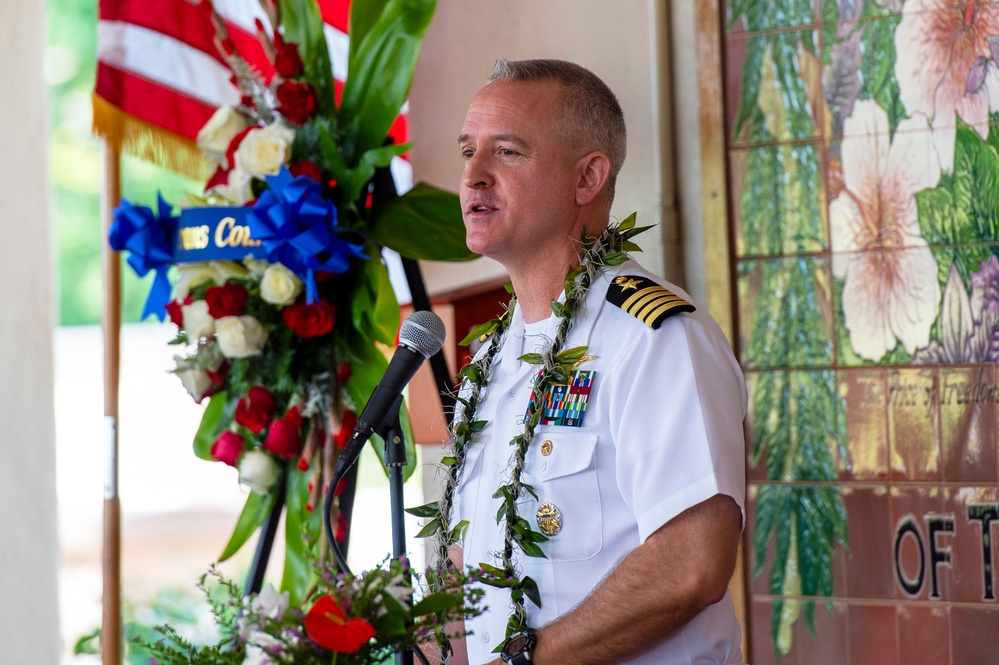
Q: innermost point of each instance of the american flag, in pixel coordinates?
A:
(160, 76)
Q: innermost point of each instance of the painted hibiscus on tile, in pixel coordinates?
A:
(890, 293)
(945, 68)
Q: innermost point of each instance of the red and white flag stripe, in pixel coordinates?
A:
(157, 64)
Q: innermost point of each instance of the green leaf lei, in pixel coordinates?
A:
(555, 367)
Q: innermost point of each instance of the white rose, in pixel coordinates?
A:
(258, 471)
(279, 286)
(263, 151)
(221, 129)
(237, 189)
(196, 382)
(198, 322)
(240, 336)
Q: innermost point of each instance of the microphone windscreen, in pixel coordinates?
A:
(423, 332)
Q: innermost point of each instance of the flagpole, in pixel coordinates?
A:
(111, 631)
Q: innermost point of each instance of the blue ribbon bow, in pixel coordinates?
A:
(148, 238)
(299, 229)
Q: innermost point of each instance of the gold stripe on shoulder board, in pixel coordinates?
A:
(647, 301)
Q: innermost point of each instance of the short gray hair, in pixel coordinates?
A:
(590, 111)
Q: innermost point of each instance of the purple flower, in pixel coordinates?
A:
(969, 327)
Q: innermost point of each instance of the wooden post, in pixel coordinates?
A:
(111, 631)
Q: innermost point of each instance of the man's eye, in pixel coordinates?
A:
(467, 153)
(506, 151)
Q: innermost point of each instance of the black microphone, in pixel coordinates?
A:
(421, 336)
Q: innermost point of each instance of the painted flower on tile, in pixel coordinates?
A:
(890, 293)
(969, 325)
(943, 66)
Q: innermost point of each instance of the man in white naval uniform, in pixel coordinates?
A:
(648, 481)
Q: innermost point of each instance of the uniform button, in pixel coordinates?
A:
(485, 638)
(513, 394)
(544, 465)
(546, 447)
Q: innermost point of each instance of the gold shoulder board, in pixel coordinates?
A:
(645, 300)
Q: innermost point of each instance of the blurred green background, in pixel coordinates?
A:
(77, 170)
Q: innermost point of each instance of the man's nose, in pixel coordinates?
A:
(477, 173)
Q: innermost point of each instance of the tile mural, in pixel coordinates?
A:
(863, 143)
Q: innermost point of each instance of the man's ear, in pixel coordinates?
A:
(594, 170)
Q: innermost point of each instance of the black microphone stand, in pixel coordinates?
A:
(395, 461)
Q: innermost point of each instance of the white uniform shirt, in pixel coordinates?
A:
(662, 432)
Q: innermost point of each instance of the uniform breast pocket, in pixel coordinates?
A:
(568, 506)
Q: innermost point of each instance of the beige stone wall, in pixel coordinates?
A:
(28, 548)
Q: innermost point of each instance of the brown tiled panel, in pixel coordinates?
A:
(865, 393)
(913, 423)
(869, 568)
(968, 428)
(974, 550)
(829, 645)
(918, 467)
(924, 634)
(873, 634)
(974, 635)
(914, 508)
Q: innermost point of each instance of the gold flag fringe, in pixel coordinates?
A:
(127, 134)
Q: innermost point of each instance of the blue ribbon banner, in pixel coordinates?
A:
(146, 235)
(299, 229)
(215, 234)
(291, 223)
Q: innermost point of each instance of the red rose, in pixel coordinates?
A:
(297, 101)
(228, 300)
(287, 62)
(283, 436)
(307, 320)
(306, 168)
(343, 373)
(227, 448)
(347, 425)
(174, 311)
(254, 410)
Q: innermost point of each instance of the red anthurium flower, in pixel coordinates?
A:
(227, 448)
(228, 300)
(326, 624)
(254, 410)
(283, 438)
(313, 320)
